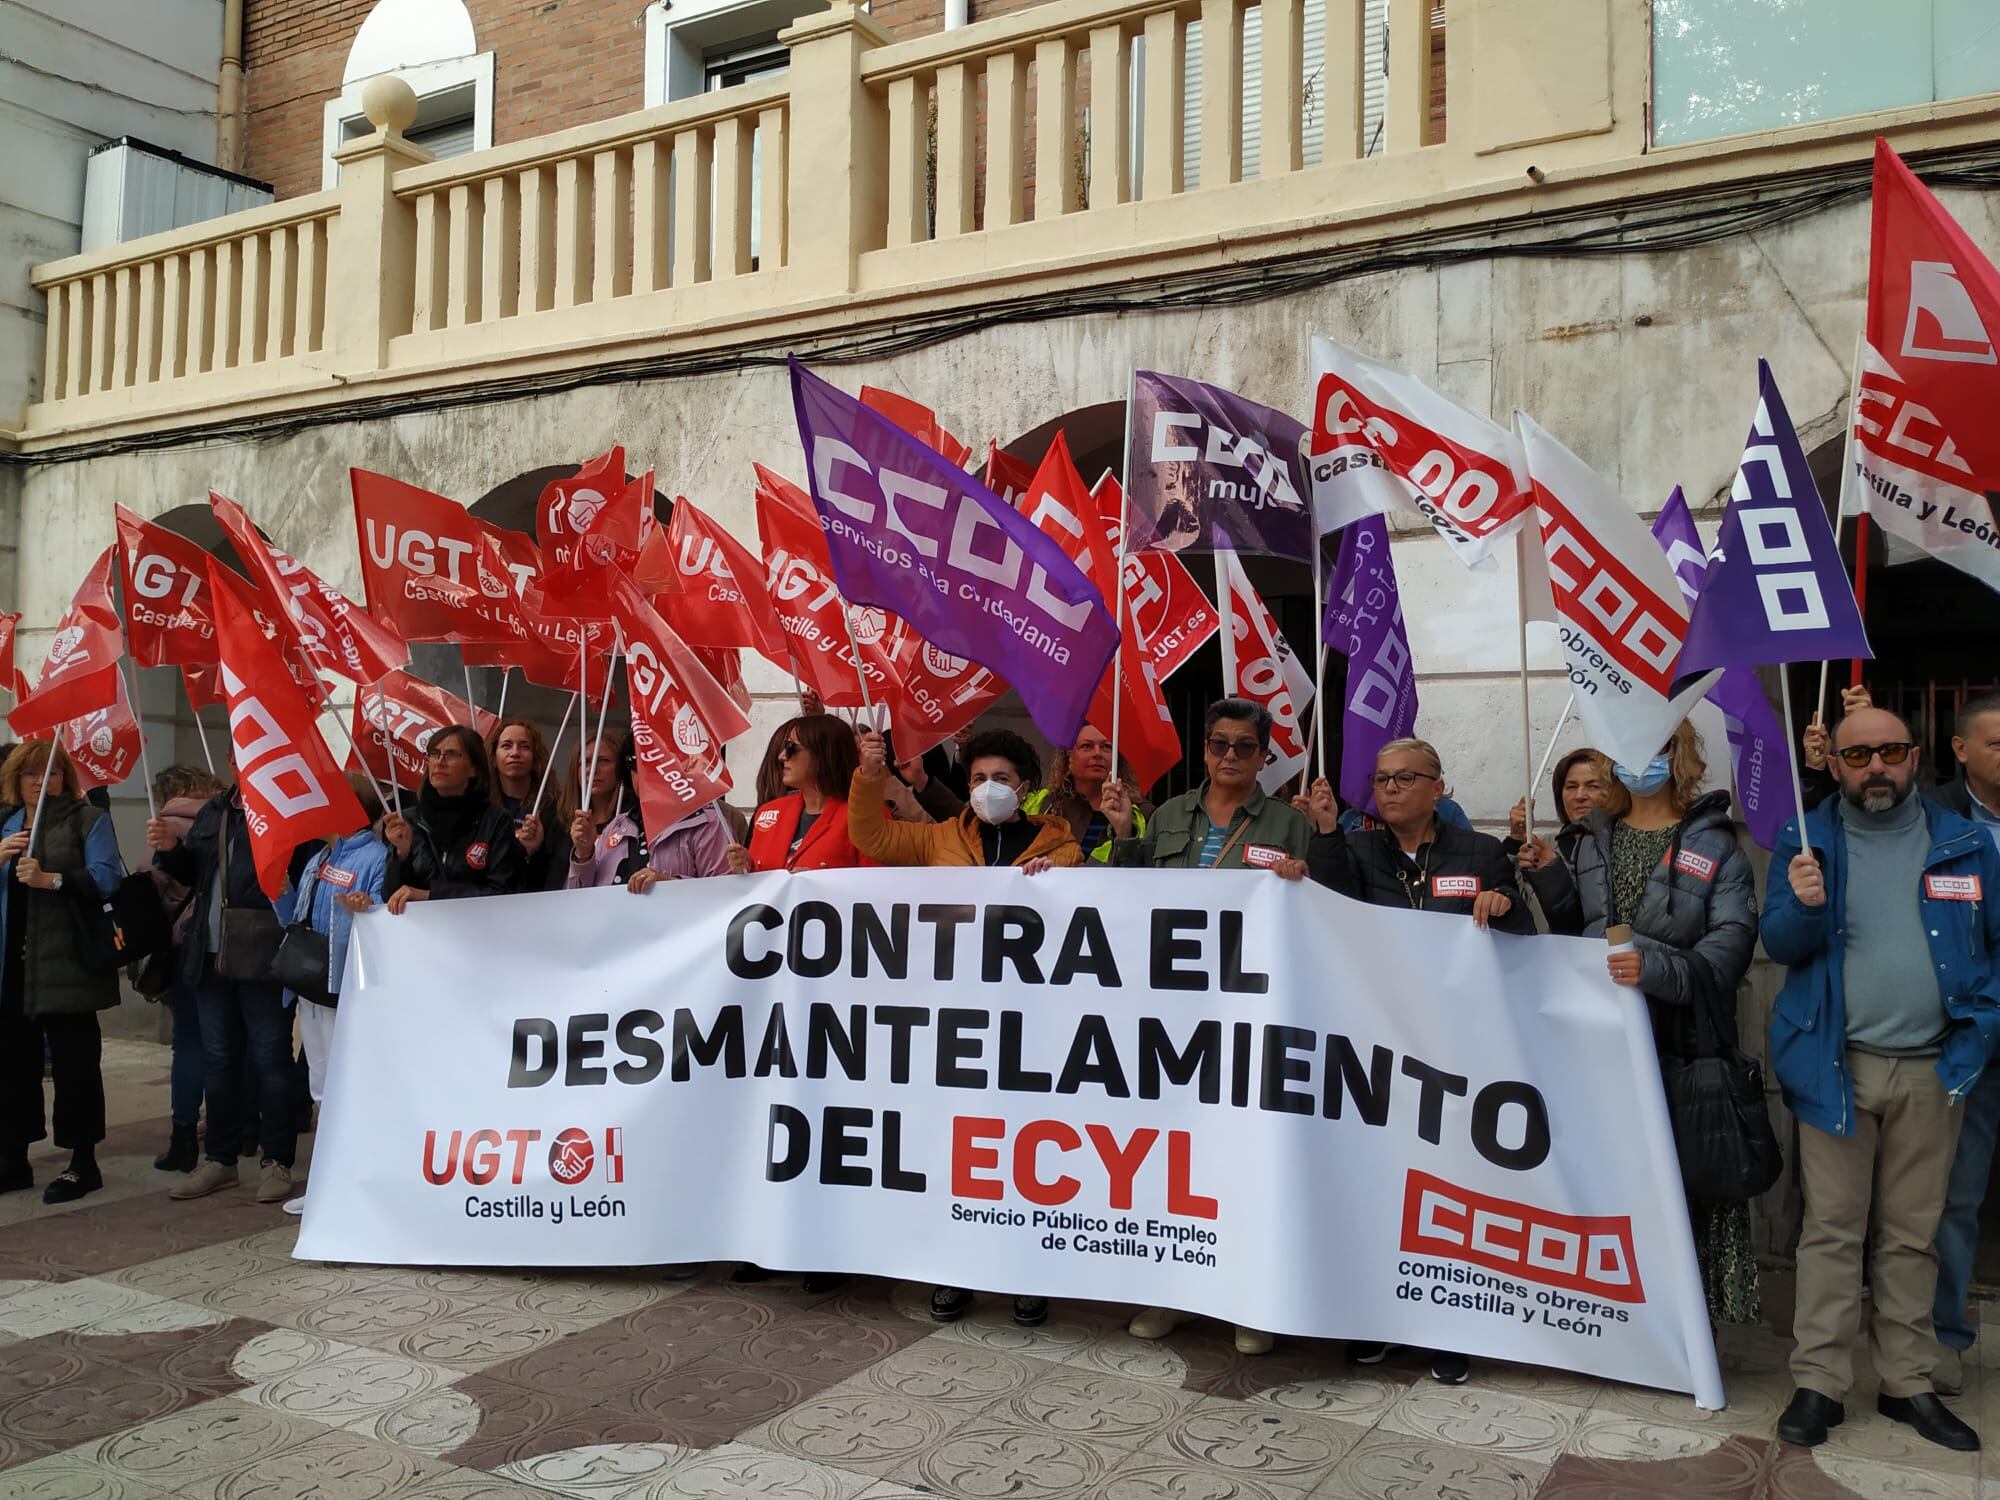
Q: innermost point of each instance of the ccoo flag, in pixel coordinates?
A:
(910, 532)
(1364, 622)
(1209, 469)
(1776, 591)
(1758, 754)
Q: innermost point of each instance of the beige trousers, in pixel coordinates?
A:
(1898, 1159)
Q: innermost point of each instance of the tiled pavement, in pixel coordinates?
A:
(150, 1349)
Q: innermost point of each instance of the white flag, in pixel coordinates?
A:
(1620, 611)
(1260, 666)
(1383, 441)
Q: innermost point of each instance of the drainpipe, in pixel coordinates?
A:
(229, 104)
(956, 13)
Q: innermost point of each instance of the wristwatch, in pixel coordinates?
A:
(57, 878)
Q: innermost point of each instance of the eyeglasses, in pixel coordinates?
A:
(790, 748)
(1894, 753)
(446, 752)
(1401, 780)
(1222, 749)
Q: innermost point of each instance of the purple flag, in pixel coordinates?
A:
(1759, 749)
(1364, 622)
(912, 533)
(1776, 590)
(1211, 471)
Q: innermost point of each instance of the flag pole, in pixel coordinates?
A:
(583, 691)
(138, 718)
(362, 760)
(1860, 592)
(1549, 754)
(201, 733)
(1118, 583)
(466, 669)
(505, 672)
(549, 769)
(604, 708)
(854, 648)
(1798, 787)
(1527, 720)
(1848, 502)
(42, 801)
(1225, 607)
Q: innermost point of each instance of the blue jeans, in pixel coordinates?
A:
(1958, 1230)
(190, 1064)
(247, 1023)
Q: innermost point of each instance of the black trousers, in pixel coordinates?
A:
(75, 1048)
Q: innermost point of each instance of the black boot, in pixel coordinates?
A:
(1805, 1422)
(183, 1151)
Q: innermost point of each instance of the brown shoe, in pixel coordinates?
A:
(209, 1177)
(275, 1186)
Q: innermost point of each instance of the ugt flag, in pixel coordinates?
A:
(103, 745)
(80, 672)
(1758, 754)
(1167, 608)
(166, 594)
(681, 716)
(1364, 622)
(10, 676)
(1208, 469)
(910, 532)
(293, 791)
(428, 567)
(1927, 447)
(1259, 664)
(1776, 590)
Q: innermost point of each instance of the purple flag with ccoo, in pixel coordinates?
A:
(910, 532)
(1364, 622)
(1776, 590)
(1209, 470)
(1759, 749)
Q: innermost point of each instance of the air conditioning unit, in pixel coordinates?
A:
(131, 188)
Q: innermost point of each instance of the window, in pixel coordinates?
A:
(694, 47)
(1724, 67)
(430, 45)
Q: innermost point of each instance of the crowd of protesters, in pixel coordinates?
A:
(1885, 916)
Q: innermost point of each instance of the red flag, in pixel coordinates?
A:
(292, 789)
(800, 582)
(1267, 672)
(103, 745)
(167, 617)
(681, 716)
(725, 665)
(934, 694)
(723, 601)
(1064, 510)
(1166, 607)
(1934, 317)
(568, 505)
(333, 633)
(920, 422)
(394, 719)
(10, 675)
(428, 568)
(79, 675)
(546, 650)
(1007, 476)
(203, 682)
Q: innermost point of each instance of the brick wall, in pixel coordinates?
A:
(557, 63)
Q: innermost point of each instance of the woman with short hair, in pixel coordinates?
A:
(458, 841)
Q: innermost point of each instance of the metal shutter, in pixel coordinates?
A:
(446, 138)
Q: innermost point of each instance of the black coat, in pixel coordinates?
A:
(192, 863)
(1448, 874)
(484, 860)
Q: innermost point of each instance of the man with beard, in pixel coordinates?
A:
(1887, 925)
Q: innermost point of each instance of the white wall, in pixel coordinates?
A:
(74, 74)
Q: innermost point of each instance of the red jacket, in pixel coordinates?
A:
(826, 845)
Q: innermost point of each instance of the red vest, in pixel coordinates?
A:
(826, 845)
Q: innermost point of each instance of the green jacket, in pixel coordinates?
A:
(1073, 810)
(1172, 841)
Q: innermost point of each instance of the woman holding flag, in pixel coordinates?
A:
(520, 759)
(51, 986)
(459, 841)
(804, 827)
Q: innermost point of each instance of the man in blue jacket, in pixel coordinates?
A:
(1888, 925)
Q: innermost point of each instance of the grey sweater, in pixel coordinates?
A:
(1893, 1004)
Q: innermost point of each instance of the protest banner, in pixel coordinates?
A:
(1225, 1093)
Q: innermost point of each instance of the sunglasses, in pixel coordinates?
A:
(1222, 749)
(1894, 753)
(790, 748)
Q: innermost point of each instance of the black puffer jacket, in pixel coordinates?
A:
(483, 860)
(193, 862)
(1447, 875)
(1700, 907)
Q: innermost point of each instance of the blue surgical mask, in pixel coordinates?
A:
(1658, 771)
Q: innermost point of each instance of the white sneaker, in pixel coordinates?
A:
(1157, 1323)
(1254, 1341)
(294, 1206)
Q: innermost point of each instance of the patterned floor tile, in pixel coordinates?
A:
(336, 1390)
(1071, 1329)
(985, 1459)
(65, 1476)
(1754, 1404)
(1485, 1421)
(736, 1471)
(607, 1471)
(1613, 1435)
(819, 1348)
(564, 1299)
(1144, 1476)
(939, 1372)
(336, 1466)
(866, 1431)
(57, 1306)
(713, 1403)
(1103, 1410)
(217, 1437)
(193, 1272)
(507, 1415)
(1120, 1354)
(1232, 1437)
(463, 1484)
(1877, 1481)
(104, 1399)
(373, 1310)
(1383, 1466)
(432, 1424)
(476, 1339)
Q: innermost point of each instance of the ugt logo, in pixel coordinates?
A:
(479, 1157)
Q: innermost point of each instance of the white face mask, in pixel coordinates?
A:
(994, 801)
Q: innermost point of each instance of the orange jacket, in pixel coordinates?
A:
(953, 843)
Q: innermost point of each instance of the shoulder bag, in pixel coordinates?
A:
(1722, 1126)
(250, 934)
(304, 958)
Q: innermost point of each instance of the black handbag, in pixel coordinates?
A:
(250, 934)
(1722, 1127)
(304, 953)
(126, 926)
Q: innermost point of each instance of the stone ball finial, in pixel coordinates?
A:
(389, 103)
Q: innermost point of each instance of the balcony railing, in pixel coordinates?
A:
(1043, 150)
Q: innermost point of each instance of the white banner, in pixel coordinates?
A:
(1214, 1091)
